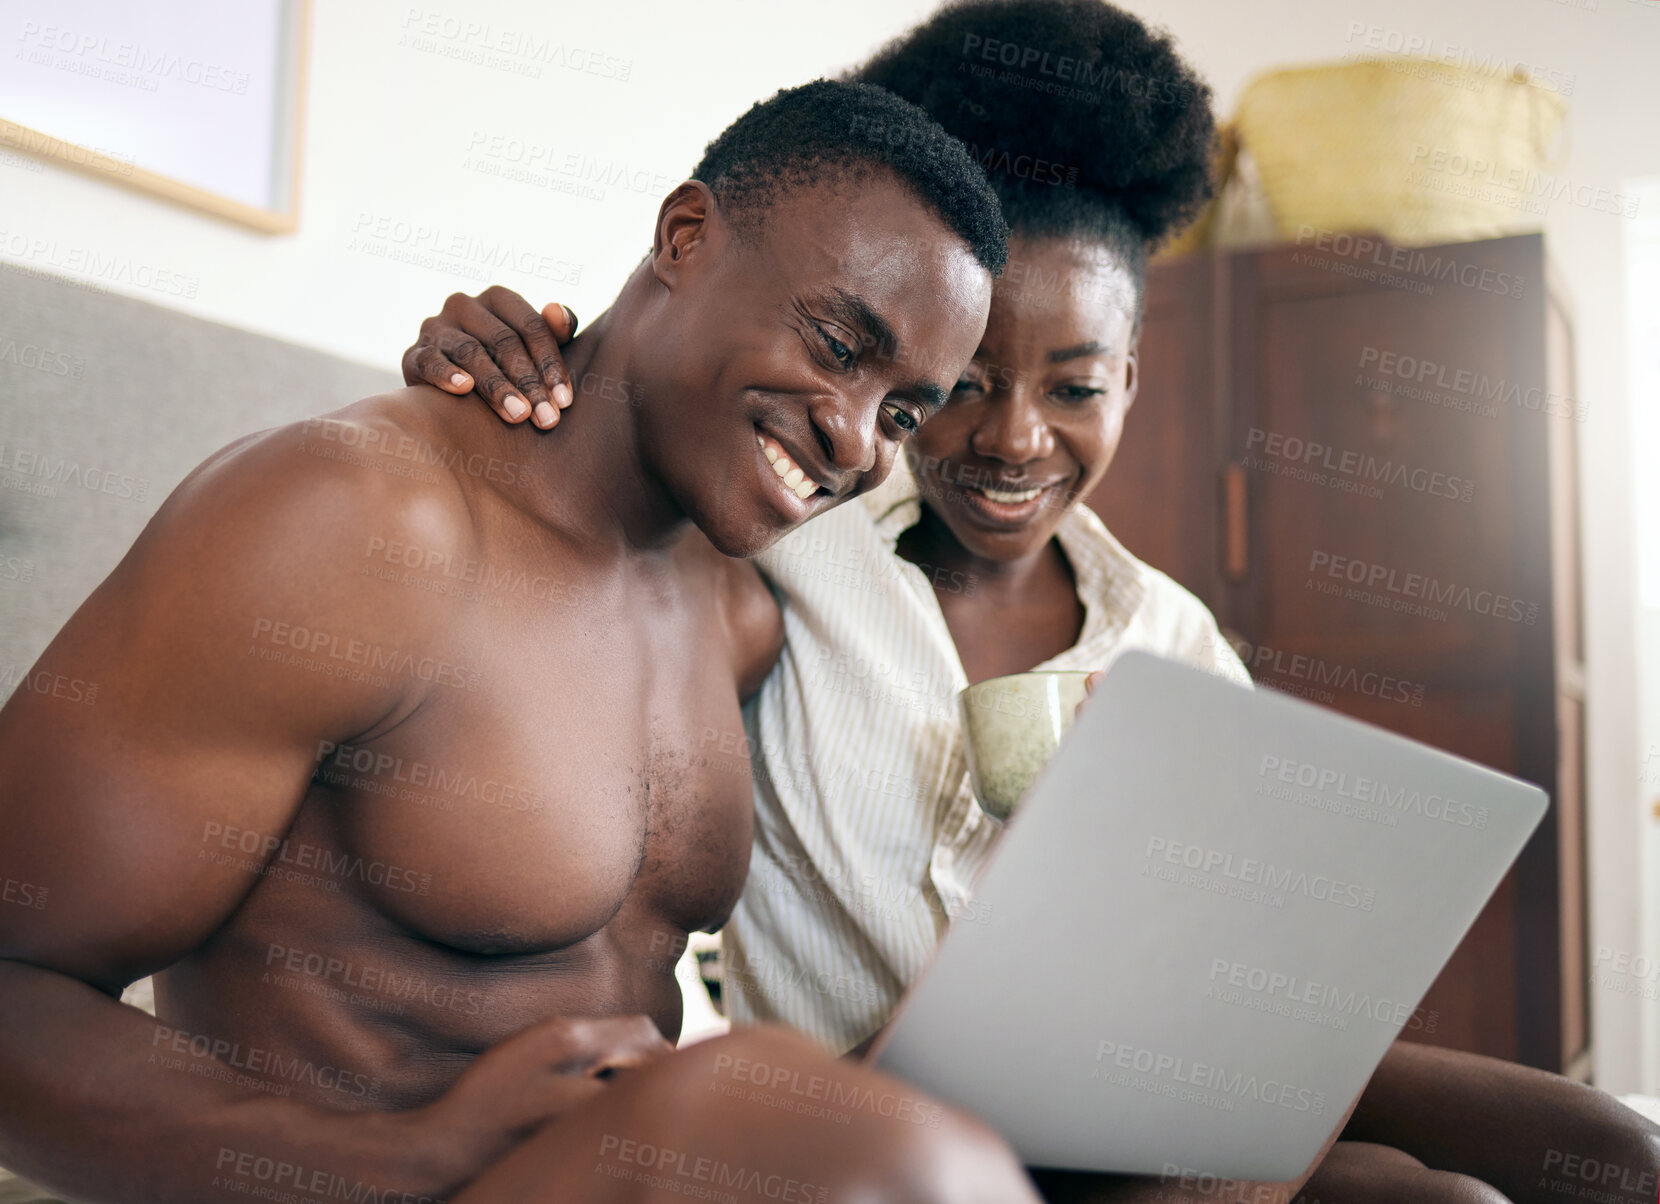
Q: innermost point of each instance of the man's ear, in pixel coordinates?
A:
(687, 218)
(1132, 376)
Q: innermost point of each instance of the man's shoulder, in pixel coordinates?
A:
(415, 436)
(376, 458)
(300, 510)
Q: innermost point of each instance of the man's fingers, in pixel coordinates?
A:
(470, 356)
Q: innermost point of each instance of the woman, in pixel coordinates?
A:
(981, 562)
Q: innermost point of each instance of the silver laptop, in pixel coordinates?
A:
(1209, 919)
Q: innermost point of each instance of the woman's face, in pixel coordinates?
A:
(1033, 424)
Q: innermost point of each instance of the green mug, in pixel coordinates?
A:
(1011, 727)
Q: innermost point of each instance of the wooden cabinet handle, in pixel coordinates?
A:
(1236, 563)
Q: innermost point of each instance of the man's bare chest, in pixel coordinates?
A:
(552, 775)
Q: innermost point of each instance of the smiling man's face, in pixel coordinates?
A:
(818, 342)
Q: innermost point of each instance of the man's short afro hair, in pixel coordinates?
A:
(1086, 121)
(840, 129)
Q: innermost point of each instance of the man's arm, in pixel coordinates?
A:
(202, 718)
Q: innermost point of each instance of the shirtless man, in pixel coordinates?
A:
(364, 823)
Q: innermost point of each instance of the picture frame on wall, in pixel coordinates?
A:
(195, 101)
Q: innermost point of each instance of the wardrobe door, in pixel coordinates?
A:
(1389, 444)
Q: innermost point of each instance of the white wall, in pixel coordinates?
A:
(1642, 978)
(400, 119)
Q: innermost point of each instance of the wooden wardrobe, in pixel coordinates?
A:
(1400, 425)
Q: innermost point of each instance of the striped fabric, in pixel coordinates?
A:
(867, 834)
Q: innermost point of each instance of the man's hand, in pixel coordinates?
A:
(496, 345)
(531, 1079)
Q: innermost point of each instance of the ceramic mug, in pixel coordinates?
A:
(1011, 727)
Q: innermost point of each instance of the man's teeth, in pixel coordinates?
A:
(802, 485)
(1010, 497)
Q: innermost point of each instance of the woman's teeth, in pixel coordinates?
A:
(798, 482)
(1008, 497)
